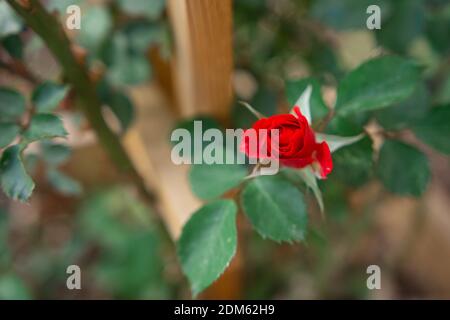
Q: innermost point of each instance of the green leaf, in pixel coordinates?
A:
(403, 169)
(142, 34)
(134, 268)
(151, 9)
(54, 153)
(12, 104)
(438, 30)
(406, 113)
(5, 250)
(443, 95)
(348, 125)
(9, 21)
(119, 103)
(335, 200)
(377, 84)
(307, 177)
(353, 164)
(310, 180)
(96, 24)
(337, 142)
(345, 14)
(125, 52)
(122, 107)
(8, 131)
(211, 181)
(15, 181)
(404, 25)
(126, 65)
(60, 5)
(276, 208)
(323, 59)
(47, 96)
(13, 288)
(64, 184)
(208, 243)
(295, 87)
(13, 45)
(434, 129)
(110, 214)
(44, 126)
(30, 162)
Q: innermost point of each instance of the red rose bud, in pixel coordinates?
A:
(297, 146)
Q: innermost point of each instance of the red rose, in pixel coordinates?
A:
(297, 146)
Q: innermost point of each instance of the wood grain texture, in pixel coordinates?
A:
(203, 58)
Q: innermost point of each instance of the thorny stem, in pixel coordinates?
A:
(386, 134)
(16, 67)
(48, 28)
(324, 123)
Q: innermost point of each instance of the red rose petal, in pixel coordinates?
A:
(323, 157)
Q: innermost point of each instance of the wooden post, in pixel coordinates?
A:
(203, 56)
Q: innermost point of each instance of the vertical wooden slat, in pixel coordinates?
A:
(203, 58)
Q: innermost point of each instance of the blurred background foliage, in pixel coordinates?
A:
(280, 47)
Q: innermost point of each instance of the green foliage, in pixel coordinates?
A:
(8, 131)
(263, 101)
(119, 103)
(44, 126)
(353, 164)
(54, 153)
(274, 42)
(405, 23)
(129, 264)
(211, 181)
(125, 67)
(276, 208)
(47, 96)
(345, 14)
(434, 129)
(13, 45)
(5, 254)
(13, 288)
(96, 26)
(125, 52)
(438, 29)
(129, 268)
(403, 169)
(9, 21)
(208, 243)
(134, 268)
(377, 84)
(443, 95)
(407, 112)
(151, 9)
(61, 5)
(15, 181)
(36, 124)
(348, 125)
(63, 183)
(307, 177)
(334, 200)
(12, 104)
(295, 87)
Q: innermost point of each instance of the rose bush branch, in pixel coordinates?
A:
(49, 29)
(18, 68)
